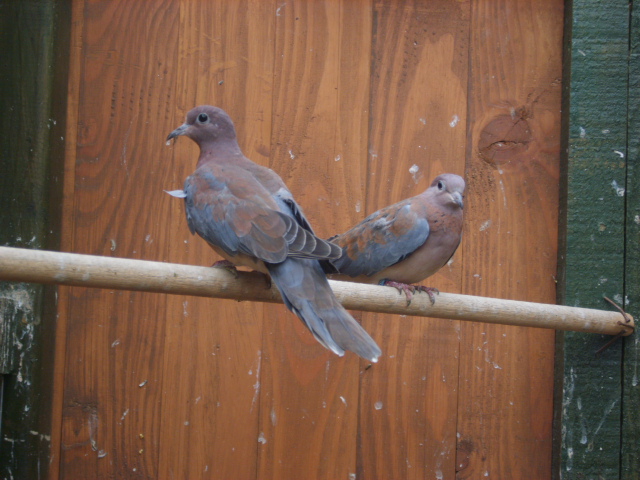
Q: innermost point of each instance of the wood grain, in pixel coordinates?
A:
(418, 115)
(506, 373)
(213, 359)
(342, 99)
(309, 397)
(113, 381)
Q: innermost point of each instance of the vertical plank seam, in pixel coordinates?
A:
(358, 465)
(76, 66)
(167, 250)
(337, 144)
(469, 154)
(372, 63)
(263, 333)
(624, 237)
(563, 186)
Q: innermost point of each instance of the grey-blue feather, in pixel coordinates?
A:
(381, 240)
(218, 230)
(307, 293)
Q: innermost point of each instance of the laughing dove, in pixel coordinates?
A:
(405, 243)
(247, 215)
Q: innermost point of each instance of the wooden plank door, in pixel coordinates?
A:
(356, 104)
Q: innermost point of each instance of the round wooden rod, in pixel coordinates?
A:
(37, 266)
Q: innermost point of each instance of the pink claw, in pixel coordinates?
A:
(431, 291)
(409, 290)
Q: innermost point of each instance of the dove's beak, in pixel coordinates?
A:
(457, 197)
(181, 130)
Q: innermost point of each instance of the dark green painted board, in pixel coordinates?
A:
(631, 361)
(32, 123)
(594, 227)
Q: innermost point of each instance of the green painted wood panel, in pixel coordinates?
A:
(631, 353)
(594, 224)
(33, 63)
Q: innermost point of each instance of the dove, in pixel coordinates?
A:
(246, 213)
(404, 243)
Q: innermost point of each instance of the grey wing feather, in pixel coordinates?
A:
(202, 221)
(372, 246)
(302, 241)
(288, 204)
(297, 241)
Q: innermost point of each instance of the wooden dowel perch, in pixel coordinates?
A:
(37, 266)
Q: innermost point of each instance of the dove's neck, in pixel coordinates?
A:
(219, 151)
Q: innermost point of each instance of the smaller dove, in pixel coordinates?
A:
(402, 244)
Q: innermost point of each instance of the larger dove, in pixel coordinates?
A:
(404, 243)
(247, 215)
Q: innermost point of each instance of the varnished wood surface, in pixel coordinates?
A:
(408, 402)
(511, 217)
(342, 99)
(309, 397)
(115, 342)
(225, 58)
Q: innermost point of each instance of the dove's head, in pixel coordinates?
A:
(206, 125)
(448, 189)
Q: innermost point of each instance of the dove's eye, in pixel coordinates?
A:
(203, 118)
(440, 185)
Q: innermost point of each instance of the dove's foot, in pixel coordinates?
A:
(226, 265)
(410, 290)
(431, 291)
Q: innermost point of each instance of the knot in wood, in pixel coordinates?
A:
(505, 138)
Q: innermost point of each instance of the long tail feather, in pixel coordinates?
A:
(306, 292)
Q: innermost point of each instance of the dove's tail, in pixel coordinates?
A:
(306, 292)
